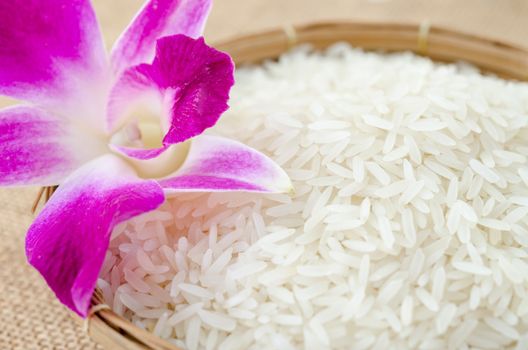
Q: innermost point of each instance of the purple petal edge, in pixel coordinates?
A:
(200, 78)
(219, 164)
(209, 182)
(39, 148)
(158, 18)
(137, 153)
(191, 80)
(47, 48)
(67, 242)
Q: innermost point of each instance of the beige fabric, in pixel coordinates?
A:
(30, 317)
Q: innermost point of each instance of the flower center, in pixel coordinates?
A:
(150, 134)
(164, 164)
(144, 131)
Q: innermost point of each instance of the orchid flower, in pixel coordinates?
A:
(118, 135)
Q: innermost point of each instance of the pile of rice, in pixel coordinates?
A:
(408, 228)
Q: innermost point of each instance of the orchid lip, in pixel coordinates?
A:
(140, 143)
(168, 161)
(144, 131)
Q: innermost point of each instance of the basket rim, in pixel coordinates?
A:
(422, 38)
(122, 331)
(311, 26)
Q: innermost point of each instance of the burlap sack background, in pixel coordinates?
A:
(30, 317)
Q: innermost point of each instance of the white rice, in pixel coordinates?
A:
(408, 229)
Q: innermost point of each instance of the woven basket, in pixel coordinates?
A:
(115, 333)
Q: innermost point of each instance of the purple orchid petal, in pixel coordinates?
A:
(48, 49)
(139, 154)
(200, 78)
(158, 18)
(219, 164)
(68, 240)
(41, 149)
(191, 81)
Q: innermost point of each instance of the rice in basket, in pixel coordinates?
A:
(408, 227)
